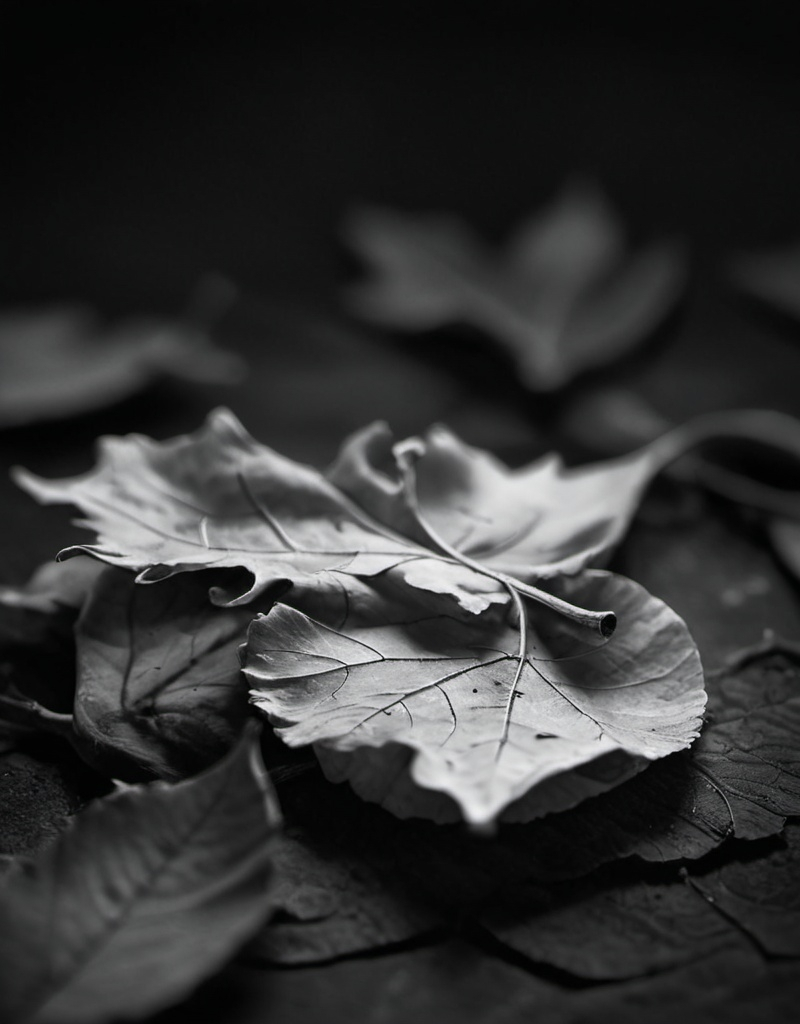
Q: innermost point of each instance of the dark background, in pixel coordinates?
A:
(144, 144)
(148, 142)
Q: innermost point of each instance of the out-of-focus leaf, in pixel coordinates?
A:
(490, 713)
(149, 892)
(46, 607)
(218, 499)
(63, 362)
(159, 688)
(772, 277)
(564, 296)
(785, 536)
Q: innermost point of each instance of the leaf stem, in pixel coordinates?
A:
(603, 622)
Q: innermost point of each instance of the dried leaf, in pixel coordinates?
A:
(63, 362)
(740, 778)
(761, 895)
(218, 499)
(544, 519)
(611, 926)
(329, 905)
(563, 297)
(146, 895)
(532, 523)
(159, 688)
(617, 925)
(491, 712)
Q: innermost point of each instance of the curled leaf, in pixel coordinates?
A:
(545, 519)
(564, 296)
(532, 523)
(490, 713)
(149, 892)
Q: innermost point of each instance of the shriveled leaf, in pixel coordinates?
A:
(564, 296)
(489, 713)
(63, 361)
(772, 277)
(147, 894)
(218, 499)
(610, 926)
(159, 688)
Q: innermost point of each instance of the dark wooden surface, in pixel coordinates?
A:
(145, 144)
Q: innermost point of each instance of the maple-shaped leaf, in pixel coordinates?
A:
(149, 892)
(563, 296)
(490, 710)
(219, 499)
(773, 277)
(534, 522)
(62, 362)
(545, 519)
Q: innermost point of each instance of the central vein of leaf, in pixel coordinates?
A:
(603, 622)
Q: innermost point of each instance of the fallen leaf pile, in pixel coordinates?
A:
(441, 630)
